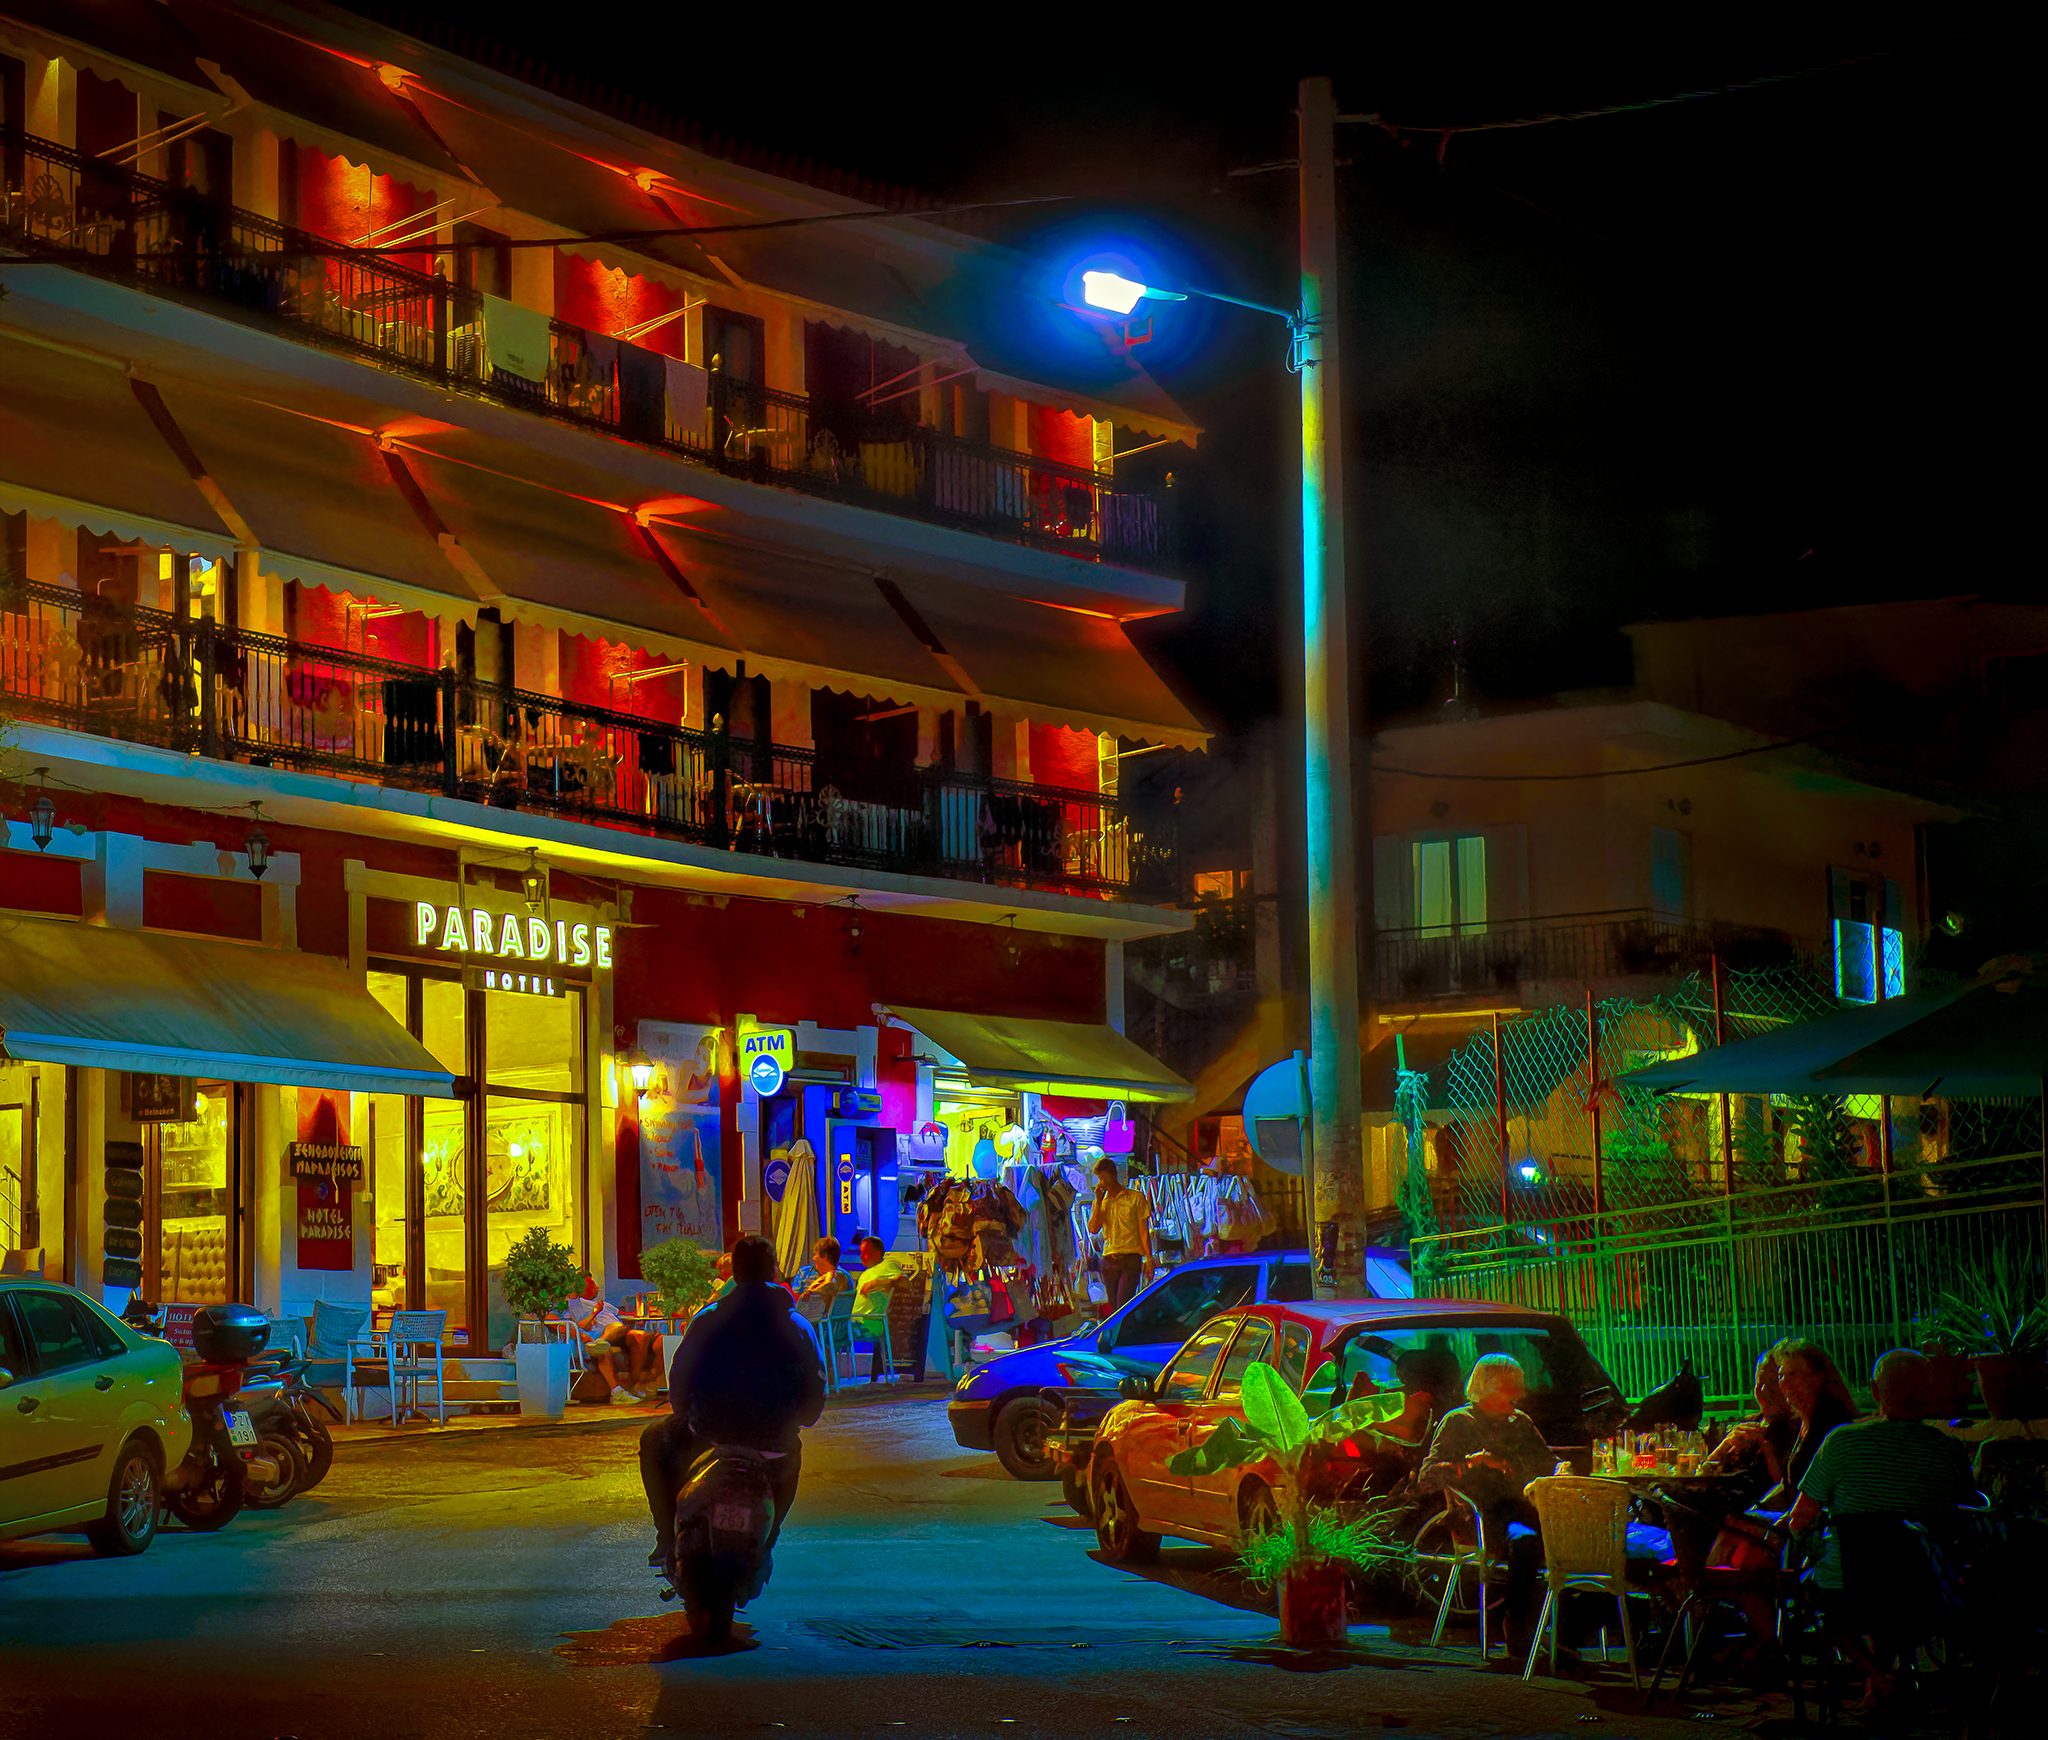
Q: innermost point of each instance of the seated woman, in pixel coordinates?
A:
(1490, 1450)
(1814, 1389)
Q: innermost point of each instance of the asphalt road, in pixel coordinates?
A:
(494, 1584)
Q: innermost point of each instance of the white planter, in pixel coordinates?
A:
(543, 1371)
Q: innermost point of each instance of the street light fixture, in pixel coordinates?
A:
(1333, 1161)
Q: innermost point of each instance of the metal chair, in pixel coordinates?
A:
(835, 1329)
(331, 1347)
(413, 1352)
(874, 1332)
(1457, 1557)
(1585, 1546)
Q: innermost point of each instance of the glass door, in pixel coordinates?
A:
(535, 1171)
(418, 1152)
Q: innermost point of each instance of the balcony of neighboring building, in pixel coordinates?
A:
(634, 356)
(1552, 959)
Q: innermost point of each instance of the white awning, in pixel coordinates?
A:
(97, 998)
(1080, 1058)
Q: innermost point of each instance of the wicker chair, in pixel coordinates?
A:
(1585, 1546)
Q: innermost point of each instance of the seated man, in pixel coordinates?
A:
(1893, 1466)
(747, 1374)
(825, 1283)
(879, 1273)
(600, 1336)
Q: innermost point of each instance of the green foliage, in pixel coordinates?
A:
(682, 1274)
(1759, 1162)
(1640, 1167)
(1417, 1205)
(1827, 1141)
(1277, 1428)
(539, 1274)
(1989, 1311)
(1369, 1544)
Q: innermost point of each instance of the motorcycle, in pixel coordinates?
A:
(281, 1405)
(725, 1524)
(230, 1463)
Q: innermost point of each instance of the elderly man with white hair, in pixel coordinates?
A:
(1490, 1450)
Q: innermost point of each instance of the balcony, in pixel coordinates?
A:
(146, 676)
(1576, 949)
(56, 203)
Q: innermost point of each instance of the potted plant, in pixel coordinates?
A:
(1311, 1547)
(1990, 1318)
(539, 1275)
(683, 1276)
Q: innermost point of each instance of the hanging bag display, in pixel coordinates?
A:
(927, 1147)
(970, 1305)
(1119, 1134)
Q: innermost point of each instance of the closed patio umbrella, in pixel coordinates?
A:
(796, 1216)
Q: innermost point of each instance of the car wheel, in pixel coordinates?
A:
(1116, 1522)
(1258, 1511)
(134, 1502)
(1075, 1491)
(1020, 1440)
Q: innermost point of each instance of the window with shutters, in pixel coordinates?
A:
(1449, 878)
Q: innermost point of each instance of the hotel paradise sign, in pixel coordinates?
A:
(512, 951)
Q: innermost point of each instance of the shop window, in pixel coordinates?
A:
(1450, 885)
(195, 1200)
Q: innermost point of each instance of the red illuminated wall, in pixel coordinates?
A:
(341, 200)
(1064, 757)
(599, 299)
(1062, 436)
(589, 668)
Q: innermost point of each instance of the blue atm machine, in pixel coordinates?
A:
(860, 1194)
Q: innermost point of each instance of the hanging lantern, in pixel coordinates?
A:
(257, 845)
(42, 815)
(534, 880)
(641, 1068)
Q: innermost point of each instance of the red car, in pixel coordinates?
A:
(1321, 1348)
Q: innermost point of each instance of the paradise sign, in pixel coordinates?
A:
(326, 1168)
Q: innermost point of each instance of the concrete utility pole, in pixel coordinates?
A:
(1334, 1162)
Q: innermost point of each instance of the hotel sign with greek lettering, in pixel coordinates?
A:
(510, 951)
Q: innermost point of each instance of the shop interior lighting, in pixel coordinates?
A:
(257, 845)
(42, 815)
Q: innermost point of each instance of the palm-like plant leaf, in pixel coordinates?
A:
(1271, 1406)
(1232, 1445)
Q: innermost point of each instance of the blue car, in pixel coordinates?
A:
(995, 1406)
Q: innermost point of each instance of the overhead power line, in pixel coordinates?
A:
(1611, 772)
(1443, 134)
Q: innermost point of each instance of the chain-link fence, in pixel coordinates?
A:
(1706, 1225)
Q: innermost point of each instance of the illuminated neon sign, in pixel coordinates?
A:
(509, 936)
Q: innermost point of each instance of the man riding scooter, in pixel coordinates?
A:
(745, 1374)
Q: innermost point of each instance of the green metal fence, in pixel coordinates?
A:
(1854, 1263)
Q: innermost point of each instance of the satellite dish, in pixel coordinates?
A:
(1275, 1113)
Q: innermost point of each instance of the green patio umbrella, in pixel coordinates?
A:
(1987, 1042)
(1793, 1059)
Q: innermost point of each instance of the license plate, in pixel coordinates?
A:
(732, 1519)
(241, 1430)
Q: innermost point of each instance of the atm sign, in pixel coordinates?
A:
(767, 1054)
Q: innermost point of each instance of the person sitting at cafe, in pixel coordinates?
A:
(602, 1336)
(826, 1282)
(1893, 1466)
(1490, 1450)
(1819, 1398)
(879, 1273)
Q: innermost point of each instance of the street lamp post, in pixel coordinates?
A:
(1333, 1159)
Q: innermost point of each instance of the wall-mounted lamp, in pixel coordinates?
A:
(42, 815)
(534, 880)
(257, 845)
(640, 1067)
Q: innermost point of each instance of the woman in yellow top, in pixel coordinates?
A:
(1124, 1219)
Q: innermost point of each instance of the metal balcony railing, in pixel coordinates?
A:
(146, 676)
(1575, 949)
(58, 203)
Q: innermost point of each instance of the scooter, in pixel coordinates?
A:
(281, 1405)
(229, 1464)
(725, 1526)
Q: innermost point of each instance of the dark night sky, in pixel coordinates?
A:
(1744, 351)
